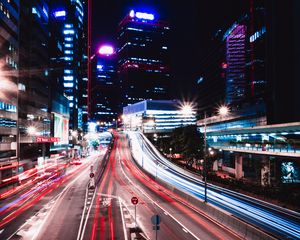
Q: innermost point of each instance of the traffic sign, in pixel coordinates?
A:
(134, 200)
(92, 175)
(155, 219)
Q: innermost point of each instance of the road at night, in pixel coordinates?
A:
(121, 181)
(280, 222)
(29, 214)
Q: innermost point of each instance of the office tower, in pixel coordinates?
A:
(234, 71)
(143, 59)
(283, 51)
(70, 21)
(236, 63)
(9, 64)
(33, 101)
(105, 88)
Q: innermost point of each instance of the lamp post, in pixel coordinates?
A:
(223, 111)
(204, 162)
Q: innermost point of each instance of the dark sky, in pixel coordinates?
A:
(193, 23)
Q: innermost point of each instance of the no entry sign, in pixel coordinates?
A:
(134, 200)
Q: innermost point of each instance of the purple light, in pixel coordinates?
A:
(106, 50)
(60, 13)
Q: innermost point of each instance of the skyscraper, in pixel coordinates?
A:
(236, 63)
(33, 104)
(9, 64)
(105, 88)
(283, 54)
(143, 60)
(70, 22)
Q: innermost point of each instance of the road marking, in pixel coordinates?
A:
(146, 195)
(123, 223)
(1, 231)
(185, 230)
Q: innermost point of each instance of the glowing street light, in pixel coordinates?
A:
(223, 110)
(31, 130)
(186, 109)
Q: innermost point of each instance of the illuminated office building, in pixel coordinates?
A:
(158, 116)
(69, 20)
(9, 64)
(34, 86)
(236, 63)
(143, 59)
(105, 88)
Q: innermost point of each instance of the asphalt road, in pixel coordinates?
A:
(121, 181)
(65, 209)
(48, 210)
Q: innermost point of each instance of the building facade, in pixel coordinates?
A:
(105, 91)
(34, 86)
(143, 59)
(9, 64)
(157, 116)
(70, 20)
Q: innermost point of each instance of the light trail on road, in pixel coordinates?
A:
(255, 213)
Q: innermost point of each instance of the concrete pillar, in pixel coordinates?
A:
(239, 166)
(215, 165)
(265, 171)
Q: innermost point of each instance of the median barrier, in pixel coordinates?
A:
(215, 214)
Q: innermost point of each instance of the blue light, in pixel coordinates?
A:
(68, 51)
(68, 85)
(67, 71)
(69, 31)
(68, 39)
(68, 78)
(60, 13)
(68, 25)
(146, 16)
(68, 45)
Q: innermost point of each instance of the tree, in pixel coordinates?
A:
(189, 142)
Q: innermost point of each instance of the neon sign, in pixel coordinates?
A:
(141, 15)
(60, 13)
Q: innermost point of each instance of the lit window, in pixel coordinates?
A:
(69, 31)
(67, 85)
(68, 78)
(68, 71)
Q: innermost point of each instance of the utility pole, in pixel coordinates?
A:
(205, 163)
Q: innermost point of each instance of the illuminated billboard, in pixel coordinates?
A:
(290, 172)
(61, 129)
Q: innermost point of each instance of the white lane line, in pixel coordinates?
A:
(86, 219)
(185, 230)
(146, 195)
(123, 223)
(166, 213)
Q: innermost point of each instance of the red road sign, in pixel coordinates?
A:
(47, 139)
(92, 175)
(134, 200)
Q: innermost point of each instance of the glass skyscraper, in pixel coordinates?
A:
(143, 59)
(70, 20)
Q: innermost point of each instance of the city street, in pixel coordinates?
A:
(121, 181)
(27, 213)
(149, 120)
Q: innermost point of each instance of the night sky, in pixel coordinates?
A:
(193, 23)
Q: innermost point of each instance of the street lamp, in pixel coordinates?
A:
(186, 109)
(31, 130)
(223, 111)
